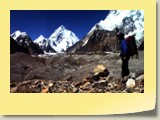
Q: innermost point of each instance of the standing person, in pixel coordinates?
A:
(124, 54)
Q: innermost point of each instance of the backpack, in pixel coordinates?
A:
(132, 47)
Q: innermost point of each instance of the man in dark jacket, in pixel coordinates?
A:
(124, 55)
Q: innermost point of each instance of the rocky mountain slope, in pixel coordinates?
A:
(102, 37)
(22, 39)
(99, 41)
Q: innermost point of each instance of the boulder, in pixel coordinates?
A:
(130, 83)
(100, 71)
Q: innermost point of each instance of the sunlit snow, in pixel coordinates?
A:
(115, 20)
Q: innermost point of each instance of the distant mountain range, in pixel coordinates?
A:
(59, 40)
(101, 37)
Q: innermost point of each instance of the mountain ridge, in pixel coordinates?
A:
(24, 40)
(129, 22)
(60, 39)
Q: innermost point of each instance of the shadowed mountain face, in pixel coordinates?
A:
(99, 40)
(49, 49)
(15, 47)
(26, 42)
(23, 40)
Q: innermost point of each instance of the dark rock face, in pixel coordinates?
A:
(100, 40)
(49, 49)
(75, 46)
(15, 47)
(27, 43)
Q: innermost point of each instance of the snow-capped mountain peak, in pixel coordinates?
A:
(21, 37)
(130, 22)
(17, 33)
(59, 40)
(62, 39)
(44, 43)
(60, 28)
(24, 40)
(39, 39)
(115, 18)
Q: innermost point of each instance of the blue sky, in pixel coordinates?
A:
(44, 22)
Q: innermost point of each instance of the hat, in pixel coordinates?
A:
(120, 36)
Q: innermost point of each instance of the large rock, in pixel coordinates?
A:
(130, 83)
(100, 71)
